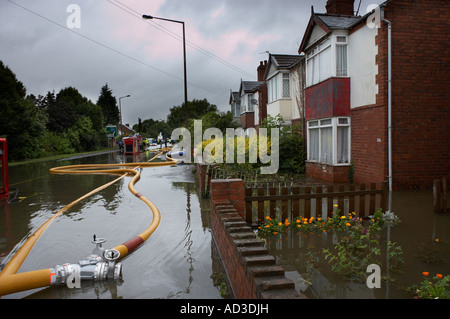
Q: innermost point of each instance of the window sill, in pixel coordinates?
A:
(328, 164)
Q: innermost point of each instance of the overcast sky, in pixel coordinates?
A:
(226, 40)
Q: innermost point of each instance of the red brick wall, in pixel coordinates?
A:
(343, 7)
(421, 95)
(420, 107)
(247, 120)
(328, 98)
(330, 173)
(229, 189)
(251, 271)
(369, 144)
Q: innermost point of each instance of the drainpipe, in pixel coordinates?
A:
(389, 104)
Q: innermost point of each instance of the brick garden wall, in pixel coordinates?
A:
(251, 271)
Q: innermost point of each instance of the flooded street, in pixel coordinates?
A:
(175, 262)
(423, 236)
(179, 260)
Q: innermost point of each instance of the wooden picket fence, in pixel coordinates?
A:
(307, 201)
(440, 196)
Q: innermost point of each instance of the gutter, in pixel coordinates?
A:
(389, 100)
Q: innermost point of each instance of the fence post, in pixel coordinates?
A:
(295, 202)
(444, 195)
(384, 195)
(249, 207)
(437, 196)
(284, 204)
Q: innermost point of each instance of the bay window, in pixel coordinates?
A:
(250, 102)
(278, 87)
(329, 140)
(327, 59)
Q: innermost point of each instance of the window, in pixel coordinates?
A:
(286, 87)
(318, 63)
(319, 60)
(272, 89)
(343, 141)
(278, 87)
(341, 56)
(329, 140)
(250, 103)
(237, 109)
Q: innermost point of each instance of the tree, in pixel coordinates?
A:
(152, 128)
(108, 104)
(21, 122)
(196, 109)
(292, 155)
(220, 120)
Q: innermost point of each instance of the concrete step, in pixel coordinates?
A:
(247, 242)
(239, 229)
(281, 294)
(255, 250)
(273, 283)
(259, 260)
(242, 235)
(265, 270)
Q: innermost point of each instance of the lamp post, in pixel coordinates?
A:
(120, 108)
(147, 17)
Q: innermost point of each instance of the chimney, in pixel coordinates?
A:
(261, 70)
(340, 7)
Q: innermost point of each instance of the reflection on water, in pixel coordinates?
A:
(423, 236)
(175, 262)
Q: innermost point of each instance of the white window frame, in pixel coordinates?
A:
(313, 59)
(335, 55)
(275, 86)
(237, 109)
(318, 124)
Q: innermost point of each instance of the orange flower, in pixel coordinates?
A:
(425, 273)
(439, 276)
(347, 224)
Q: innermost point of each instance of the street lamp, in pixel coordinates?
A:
(120, 108)
(149, 17)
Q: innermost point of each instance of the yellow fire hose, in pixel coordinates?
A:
(11, 282)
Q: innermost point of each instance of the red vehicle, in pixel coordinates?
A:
(131, 145)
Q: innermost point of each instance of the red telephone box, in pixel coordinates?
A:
(4, 191)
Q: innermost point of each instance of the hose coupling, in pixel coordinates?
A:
(100, 266)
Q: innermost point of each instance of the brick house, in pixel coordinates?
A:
(251, 100)
(377, 94)
(235, 104)
(285, 83)
(249, 95)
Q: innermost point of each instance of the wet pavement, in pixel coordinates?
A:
(175, 262)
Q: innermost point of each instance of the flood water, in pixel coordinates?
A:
(177, 261)
(423, 236)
